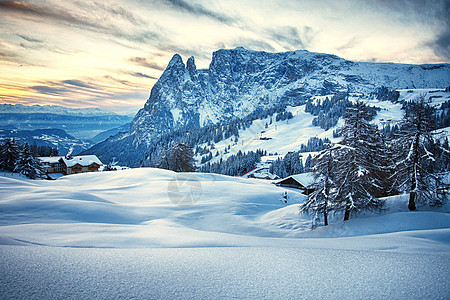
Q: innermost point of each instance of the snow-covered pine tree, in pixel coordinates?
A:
(321, 200)
(28, 165)
(414, 156)
(357, 179)
(179, 158)
(9, 155)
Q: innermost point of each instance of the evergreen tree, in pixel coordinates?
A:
(415, 149)
(308, 163)
(9, 155)
(28, 165)
(321, 200)
(357, 179)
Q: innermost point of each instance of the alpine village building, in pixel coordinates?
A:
(70, 165)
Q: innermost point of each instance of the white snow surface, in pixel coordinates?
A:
(155, 234)
(147, 207)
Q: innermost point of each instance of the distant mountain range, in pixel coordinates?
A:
(84, 123)
(56, 138)
(241, 82)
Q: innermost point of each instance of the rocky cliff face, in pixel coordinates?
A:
(238, 81)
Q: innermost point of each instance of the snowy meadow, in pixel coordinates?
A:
(153, 234)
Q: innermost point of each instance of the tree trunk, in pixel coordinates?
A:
(325, 217)
(414, 184)
(412, 202)
(346, 214)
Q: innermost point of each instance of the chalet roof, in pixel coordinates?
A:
(264, 176)
(50, 159)
(83, 160)
(305, 179)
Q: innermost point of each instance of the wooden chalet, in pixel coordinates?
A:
(70, 165)
(299, 181)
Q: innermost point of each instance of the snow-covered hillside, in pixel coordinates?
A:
(149, 233)
(280, 137)
(159, 208)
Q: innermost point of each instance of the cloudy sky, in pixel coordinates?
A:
(110, 53)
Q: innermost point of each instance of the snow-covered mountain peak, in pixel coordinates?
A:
(238, 81)
(175, 61)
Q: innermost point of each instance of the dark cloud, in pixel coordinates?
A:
(142, 61)
(79, 83)
(68, 87)
(139, 74)
(435, 13)
(29, 39)
(441, 45)
(49, 90)
(33, 46)
(199, 10)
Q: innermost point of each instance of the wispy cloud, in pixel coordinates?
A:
(8, 56)
(142, 61)
(114, 11)
(53, 13)
(48, 46)
(79, 83)
(199, 10)
(29, 39)
(290, 38)
(139, 74)
(104, 22)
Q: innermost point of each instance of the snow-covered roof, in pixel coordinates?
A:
(83, 160)
(306, 179)
(50, 159)
(266, 175)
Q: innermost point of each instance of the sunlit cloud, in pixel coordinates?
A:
(110, 53)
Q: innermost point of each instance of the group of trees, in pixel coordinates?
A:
(236, 164)
(178, 157)
(328, 111)
(19, 159)
(352, 175)
(292, 163)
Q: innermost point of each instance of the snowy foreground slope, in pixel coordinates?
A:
(207, 236)
(157, 208)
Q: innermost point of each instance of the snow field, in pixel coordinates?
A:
(220, 273)
(141, 208)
